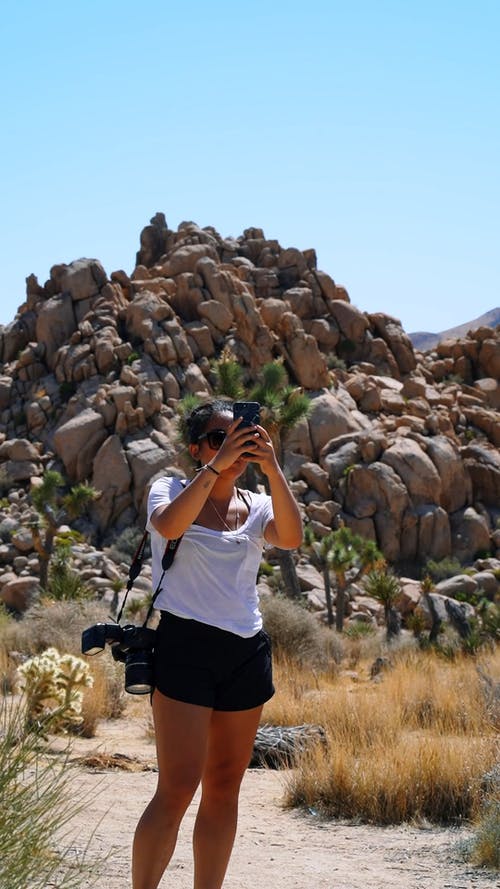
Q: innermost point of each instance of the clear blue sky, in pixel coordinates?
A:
(367, 129)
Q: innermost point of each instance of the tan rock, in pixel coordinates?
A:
(470, 534)
(489, 388)
(399, 343)
(112, 478)
(185, 259)
(55, 323)
(77, 441)
(456, 488)
(352, 323)
(329, 419)
(316, 477)
(416, 470)
(18, 594)
(217, 314)
(482, 463)
(377, 492)
(489, 357)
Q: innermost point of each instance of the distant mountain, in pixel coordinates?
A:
(426, 341)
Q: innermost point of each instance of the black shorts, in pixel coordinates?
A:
(200, 664)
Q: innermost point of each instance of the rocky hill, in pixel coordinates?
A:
(425, 341)
(400, 446)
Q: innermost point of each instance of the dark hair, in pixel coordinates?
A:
(196, 422)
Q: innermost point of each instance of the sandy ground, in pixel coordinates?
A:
(275, 848)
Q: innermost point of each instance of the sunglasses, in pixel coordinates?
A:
(214, 438)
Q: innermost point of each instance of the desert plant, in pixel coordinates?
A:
(125, 545)
(36, 808)
(397, 750)
(448, 567)
(484, 847)
(349, 556)
(282, 404)
(54, 686)
(50, 624)
(229, 375)
(296, 634)
(55, 507)
(385, 587)
(63, 582)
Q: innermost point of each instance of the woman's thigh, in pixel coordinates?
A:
(230, 744)
(182, 740)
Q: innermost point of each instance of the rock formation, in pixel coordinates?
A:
(401, 446)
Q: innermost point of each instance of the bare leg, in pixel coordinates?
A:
(182, 742)
(231, 739)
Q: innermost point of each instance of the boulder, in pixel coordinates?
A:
(459, 584)
(470, 534)
(456, 487)
(329, 418)
(56, 322)
(82, 279)
(112, 478)
(351, 323)
(482, 463)
(377, 491)
(18, 594)
(19, 449)
(77, 441)
(416, 470)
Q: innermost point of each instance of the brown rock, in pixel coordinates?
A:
(416, 470)
(77, 441)
(18, 594)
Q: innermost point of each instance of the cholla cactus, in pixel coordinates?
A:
(53, 685)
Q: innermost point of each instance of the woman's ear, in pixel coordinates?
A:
(194, 450)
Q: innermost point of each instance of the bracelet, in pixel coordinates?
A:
(207, 466)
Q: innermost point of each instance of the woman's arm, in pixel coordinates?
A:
(285, 529)
(173, 518)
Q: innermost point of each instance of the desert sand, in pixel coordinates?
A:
(275, 848)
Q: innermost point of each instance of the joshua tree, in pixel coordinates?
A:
(54, 507)
(283, 405)
(384, 586)
(349, 556)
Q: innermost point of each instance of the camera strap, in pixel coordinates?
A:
(136, 568)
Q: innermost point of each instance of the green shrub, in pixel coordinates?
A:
(484, 848)
(49, 623)
(36, 808)
(297, 634)
(443, 569)
(125, 545)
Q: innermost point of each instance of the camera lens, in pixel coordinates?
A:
(139, 673)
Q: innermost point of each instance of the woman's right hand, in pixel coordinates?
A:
(239, 444)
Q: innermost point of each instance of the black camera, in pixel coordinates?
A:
(132, 646)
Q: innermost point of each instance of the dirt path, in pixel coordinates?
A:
(275, 848)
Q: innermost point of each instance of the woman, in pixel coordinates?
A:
(212, 659)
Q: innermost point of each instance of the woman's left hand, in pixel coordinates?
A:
(262, 450)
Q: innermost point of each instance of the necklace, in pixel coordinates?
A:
(228, 528)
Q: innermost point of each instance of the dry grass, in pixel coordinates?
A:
(414, 745)
(106, 698)
(59, 625)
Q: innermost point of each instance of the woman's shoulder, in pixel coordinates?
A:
(167, 484)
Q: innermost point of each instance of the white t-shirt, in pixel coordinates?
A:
(213, 576)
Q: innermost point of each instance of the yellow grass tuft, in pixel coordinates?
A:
(414, 745)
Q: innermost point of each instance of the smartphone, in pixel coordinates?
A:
(250, 413)
(248, 410)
